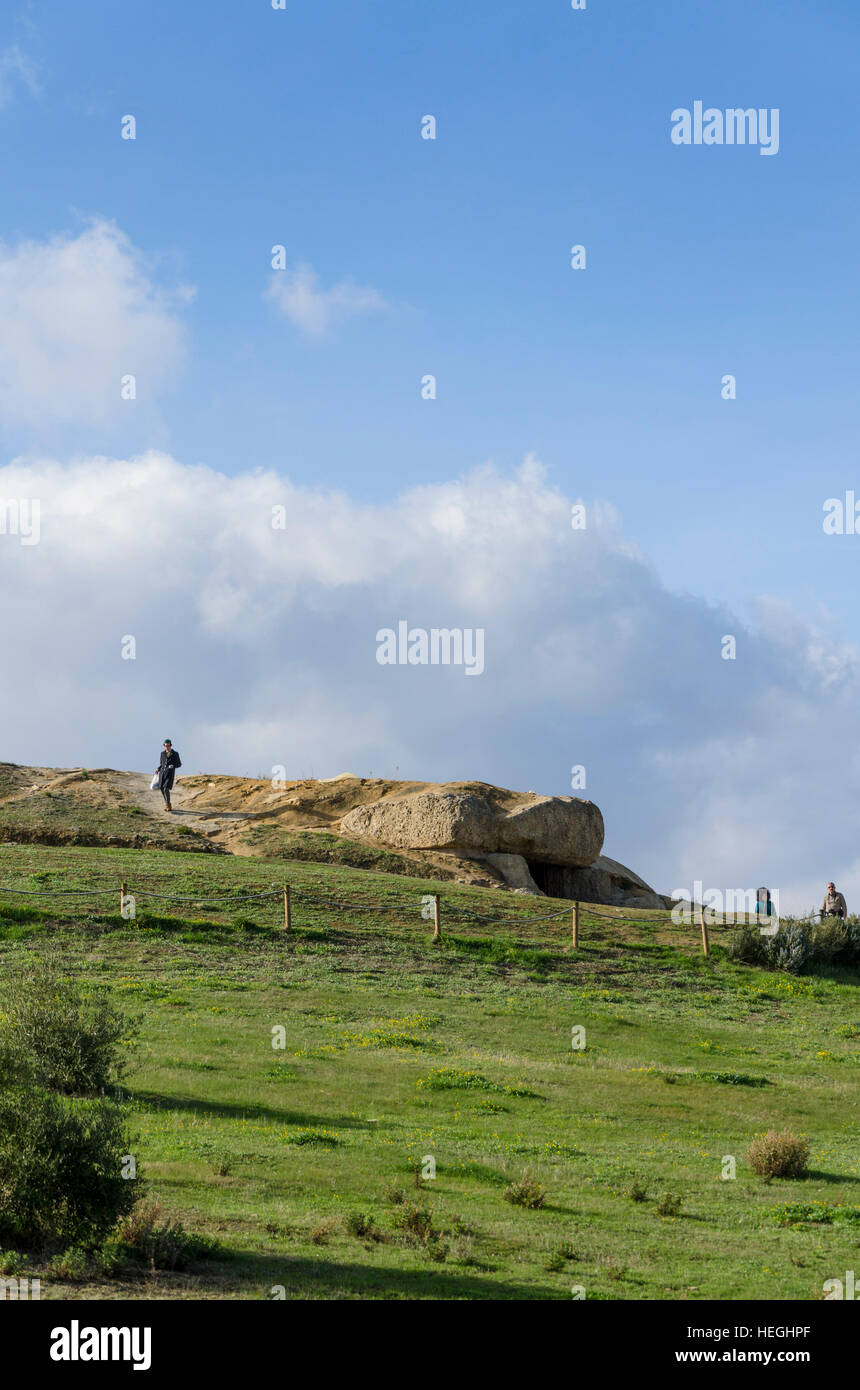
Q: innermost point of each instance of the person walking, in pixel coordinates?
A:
(170, 761)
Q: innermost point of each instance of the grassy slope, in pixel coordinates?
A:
(68, 816)
(263, 1148)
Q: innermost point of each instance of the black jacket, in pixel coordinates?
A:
(167, 768)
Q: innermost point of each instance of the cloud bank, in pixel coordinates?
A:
(256, 646)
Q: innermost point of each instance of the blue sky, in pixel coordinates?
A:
(301, 128)
(258, 127)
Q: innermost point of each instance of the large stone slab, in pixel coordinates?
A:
(514, 870)
(553, 829)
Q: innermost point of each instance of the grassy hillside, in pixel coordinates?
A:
(47, 806)
(300, 1161)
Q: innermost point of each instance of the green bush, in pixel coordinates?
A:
(362, 1226)
(61, 1178)
(836, 941)
(799, 946)
(72, 1267)
(669, 1204)
(148, 1236)
(525, 1193)
(791, 949)
(57, 1035)
(414, 1221)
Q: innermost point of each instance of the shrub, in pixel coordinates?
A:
(11, 1262)
(362, 1226)
(800, 945)
(837, 941)
(151, 1237)
(748, 946)
(58, 1035)
(416, 1222)
(638, 1191)
(60, 1168)
(109, 1261)
(791, 949)
(525, 1193)
(454, 1079)
(827, 939)
(463, 1251)
(669, 1204)
(804, 1213)
(731, 1078)
(559, 1258)
(73, 1266)
(315, 1138)
(778, 1155)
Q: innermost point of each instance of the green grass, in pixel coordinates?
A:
(61, 818)
(272, 1152)
(318, 846)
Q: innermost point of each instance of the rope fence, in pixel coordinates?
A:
(430, 908)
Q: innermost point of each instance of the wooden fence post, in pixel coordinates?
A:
(122, 901)
(574, 926)
(437, 924)
(704, 926)
(288, 921)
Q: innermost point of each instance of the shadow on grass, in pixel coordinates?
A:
(481, 1172)
(819, 1176)
(305, 1277)
(232, 1110)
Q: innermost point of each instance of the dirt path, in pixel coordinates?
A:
(205, 820)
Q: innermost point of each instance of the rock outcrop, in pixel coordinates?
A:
(533, 844)
(604, 881)
(476, 818)
(514, 870)
(468, 832)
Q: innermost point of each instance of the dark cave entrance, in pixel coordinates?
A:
(556, 880)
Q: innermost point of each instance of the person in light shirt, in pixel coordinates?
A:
(833, 903)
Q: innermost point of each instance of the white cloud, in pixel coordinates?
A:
(16, 71)
(317, 312)
(78, 314)
(257, 647)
